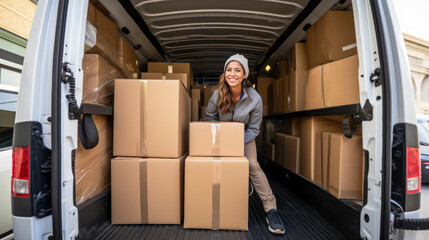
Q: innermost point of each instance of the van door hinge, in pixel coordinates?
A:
(375, 77)
(68, 77)
(351, 124)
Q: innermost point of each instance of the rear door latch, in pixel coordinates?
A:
(351, 124)
(375, 77)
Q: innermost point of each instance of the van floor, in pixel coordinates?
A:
(301, 221)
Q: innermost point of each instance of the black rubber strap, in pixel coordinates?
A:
(88, 133)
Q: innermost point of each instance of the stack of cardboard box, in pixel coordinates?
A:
(323, 72)
(151, 127)
(107, 57)
(216, 177)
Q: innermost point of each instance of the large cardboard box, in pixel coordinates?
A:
(165, 67)
(331, 38)
(221, 139)
(314, 89)
(298, 83)
(345, 166)
(183, 77)
(98, 79)
(127, 58)
(151, 118)
(341, 82)
(216, 193)
(195, 110)
(291, 155)
(91, 18)
(106, 42)
(298, 57)
(262, 84)
(92, 167)
(147, 190)
(276, 96)
(311, 147)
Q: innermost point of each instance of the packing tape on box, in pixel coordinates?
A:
(216, 178)
(143, 117)
(143, 192)
(216, 138)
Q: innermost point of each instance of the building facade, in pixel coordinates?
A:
(418, 57)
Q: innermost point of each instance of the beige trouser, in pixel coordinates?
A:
(258, 178)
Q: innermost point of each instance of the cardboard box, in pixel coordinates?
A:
(147, 190)
(298, 57)
(203, 113)
(314, 89)
(276, 96)
(223, 139)
(270, 104)
(345, 166)
(341, 82)
(98, 80)
(286, 99)
(331, 38)
(196, 93)
(127, 58)
(91, 18)
(106, 43)
(298, 83)
(268, 150)
(208, 92)
(292, 126)
(216, 193)
(165, 67)
(262, 84)
(291, 155)
(151, 118)
(195, 110)
(92, 167)
(311, 147)
(282, 69)
(269, 131)
(183, 77)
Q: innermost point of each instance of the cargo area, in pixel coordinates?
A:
(155, 170)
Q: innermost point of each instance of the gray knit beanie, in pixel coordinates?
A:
(241, 59)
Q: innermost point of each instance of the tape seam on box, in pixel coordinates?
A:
(216, 138)
(348, 47)
(143, 192)
(216, 179)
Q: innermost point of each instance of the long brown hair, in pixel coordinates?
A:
(224, 102)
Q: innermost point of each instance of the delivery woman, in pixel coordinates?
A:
(235, 100)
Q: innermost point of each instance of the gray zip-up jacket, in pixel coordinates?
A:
(247, 110)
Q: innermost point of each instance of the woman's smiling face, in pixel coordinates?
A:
(234, 74)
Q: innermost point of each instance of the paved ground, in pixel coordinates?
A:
(424, 210)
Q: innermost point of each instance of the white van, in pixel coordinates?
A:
(205, 33)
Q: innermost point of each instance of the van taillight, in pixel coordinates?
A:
(413, 170)
(21, 172)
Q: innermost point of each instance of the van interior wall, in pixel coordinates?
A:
(312, 89)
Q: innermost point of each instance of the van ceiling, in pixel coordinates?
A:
(206, 32)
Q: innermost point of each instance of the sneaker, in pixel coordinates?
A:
(275, 223)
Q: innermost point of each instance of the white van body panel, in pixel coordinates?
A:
(32, 228)
(34, 99)
(74, 41)
(372, 130)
